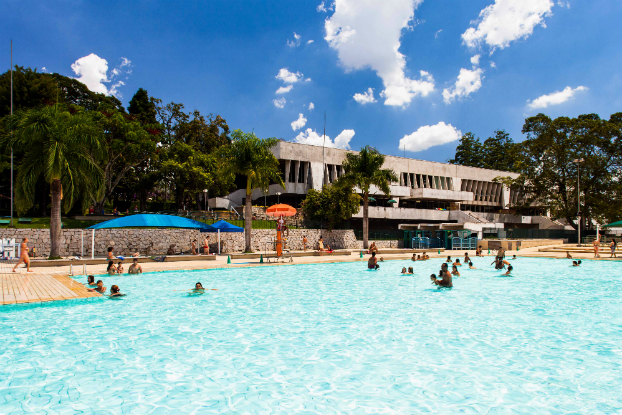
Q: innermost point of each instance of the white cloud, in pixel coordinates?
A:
(310, 41)
(555, 98)
(438, 32)
(505, 21)
(468, 82)
(295, 42)
(311, 106)
(44, 70)
(279, 103)
(475, 60)
(493, 65)
(562, 3)
(366, 34)
(299, 123)
(430, 136)
(289, 77)
(365, 97)
(322, 7)
(92, 72)
(284, 89)
(312, 138)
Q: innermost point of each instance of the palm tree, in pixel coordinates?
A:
(58, 145)
(250, 156)
(364, 170)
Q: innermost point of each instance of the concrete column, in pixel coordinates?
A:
(297, 170)
(316, 176)
(287, 166)
(506, 198)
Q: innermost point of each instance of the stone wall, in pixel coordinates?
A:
(157, 241)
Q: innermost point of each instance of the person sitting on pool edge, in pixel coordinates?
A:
(373, 248)
(115, 291)
(110, 253)
(135, 268)
(320, 244)
(373, 262)
(100, 287)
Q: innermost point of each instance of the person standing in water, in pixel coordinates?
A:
(373, 262)
(23, 255)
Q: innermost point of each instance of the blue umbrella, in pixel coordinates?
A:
(153, 221)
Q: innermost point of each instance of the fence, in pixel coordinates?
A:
(464, 243)
(388, 235)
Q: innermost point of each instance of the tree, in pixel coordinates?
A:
(499, 152)
(142, 107)
(58, 144)
(250, 156)
(548, 173)
(333, 203)
(364, 170)
(469, 152)
(128, 145)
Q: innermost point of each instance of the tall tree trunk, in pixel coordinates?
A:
(56, 189)
(365, 220)
(248, 215)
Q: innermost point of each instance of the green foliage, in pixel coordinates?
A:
(364, 169)
(469, 152)
(496, 153)
(57, 143)
(549, 174)
(142, 107)
(332, 204)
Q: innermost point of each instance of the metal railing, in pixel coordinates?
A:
(464, 243)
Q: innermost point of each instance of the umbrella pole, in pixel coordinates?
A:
(93, 244)
(218, 241)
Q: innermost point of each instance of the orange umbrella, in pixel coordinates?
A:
(278, 210)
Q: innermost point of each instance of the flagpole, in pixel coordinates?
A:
(324, 151)
(11, 224)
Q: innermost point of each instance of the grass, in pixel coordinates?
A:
(44, 223)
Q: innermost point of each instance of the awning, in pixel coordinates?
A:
(614, 224)
(153, 221)
(223, 226)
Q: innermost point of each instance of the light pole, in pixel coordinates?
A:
(578, 161)
(278, 197)
(205, 197)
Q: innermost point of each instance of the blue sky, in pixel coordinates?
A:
(223, 57)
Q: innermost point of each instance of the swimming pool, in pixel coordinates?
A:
(324, 339)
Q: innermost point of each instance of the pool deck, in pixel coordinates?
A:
(55, 283)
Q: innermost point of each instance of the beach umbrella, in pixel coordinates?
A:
(281, 210)
(371, 199)
(391, 201)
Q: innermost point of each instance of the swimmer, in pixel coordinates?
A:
(198, 288)
(471, 265)
(410, 270)
(513, 256)
(509, 270)
(445, 281)
(478, 251)
(457, 263)
(454, 271)
(119, 269)
(576, 263)
(414, 258)
(449, 259)
(466, 258)
(418, 257)
(100, 287)
(111, 270)
(91, 280)
(373, 262)
(404, 270)
(135, 268)
(115, 292)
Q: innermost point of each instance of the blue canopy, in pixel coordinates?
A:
(224, 227)
(152, 221)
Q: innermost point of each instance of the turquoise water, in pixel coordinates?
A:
(325, 339)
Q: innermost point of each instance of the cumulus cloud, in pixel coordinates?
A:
(366, 34)
(506, 21)
(365, 97)
(295, 42)
(92, 71)
(284, 89)
(475, 60)
(299, 123)
(311, 106)
(313, 138)
(555, 98)
(468, 82)
(279, 103)
(289, 77)
(430, 136)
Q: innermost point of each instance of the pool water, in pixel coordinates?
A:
(325, 339)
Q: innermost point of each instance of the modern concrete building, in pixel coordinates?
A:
(427, 193)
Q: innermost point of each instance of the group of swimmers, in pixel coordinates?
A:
(115, 291)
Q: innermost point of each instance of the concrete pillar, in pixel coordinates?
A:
(505, 202)
(316, 175)
(287, 167)
(297, 171)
